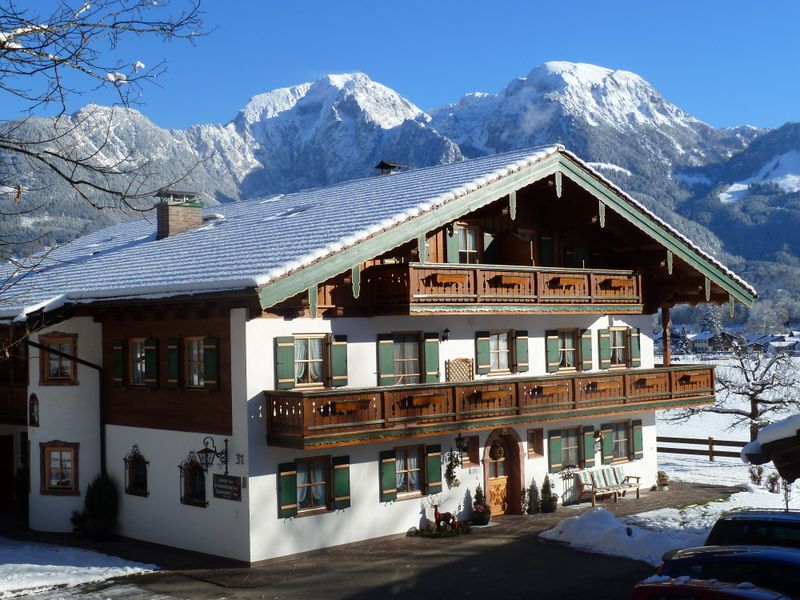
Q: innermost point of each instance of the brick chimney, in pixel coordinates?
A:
(177, 212)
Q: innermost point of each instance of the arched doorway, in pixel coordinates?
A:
(502, 471)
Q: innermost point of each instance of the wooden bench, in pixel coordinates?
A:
(605, 481)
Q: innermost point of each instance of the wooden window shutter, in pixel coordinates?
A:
(284, 363)
(520, 351)
(385, 359)
(586, 349)
(588, 447)
(287, 490)
(173, 363)
(388, 476)
(489, 249)
(554, 450)
(151, 363)
(433, 469)
(338, 354)
(604, 342)
(341, 482)
(551, 350)
(638, 443)
(210, 363)
(636, 351)
(431, 346)
(118, 360)
(451, 244)
(483, 360)
(608, 443)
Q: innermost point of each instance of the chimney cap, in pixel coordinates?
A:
(176, 196)
(386, 167)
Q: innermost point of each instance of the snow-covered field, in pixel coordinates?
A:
(647, 536)
(28, 568)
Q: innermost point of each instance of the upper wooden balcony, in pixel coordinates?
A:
(13, 405)
(424, 287)
(332, 417)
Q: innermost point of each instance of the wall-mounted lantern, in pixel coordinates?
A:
(210, 452)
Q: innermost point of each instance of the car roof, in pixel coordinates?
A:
(762, 515)
(731, 590)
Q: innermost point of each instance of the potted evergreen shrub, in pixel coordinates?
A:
(98, 519)
(663, 481)
(534, 500)
(481, 513)
(549, 501)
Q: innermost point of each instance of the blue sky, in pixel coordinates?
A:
(728, 63)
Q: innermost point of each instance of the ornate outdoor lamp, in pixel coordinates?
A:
(461, 444)
(210, 452)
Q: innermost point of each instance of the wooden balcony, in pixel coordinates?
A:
(13, 405)
(332, 417)
(418, 287)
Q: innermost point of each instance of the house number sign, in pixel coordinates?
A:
(228, 487)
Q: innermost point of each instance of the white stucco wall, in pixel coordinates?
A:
(69, 413)
(368, 517)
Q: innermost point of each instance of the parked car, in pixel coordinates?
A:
(757, 528)
(771, 567)
(669, 588)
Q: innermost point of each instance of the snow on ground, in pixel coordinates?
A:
(648, 535)
(27, 567)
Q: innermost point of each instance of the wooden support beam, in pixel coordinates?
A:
(355, 280)
(512, 205)
(313, 297)
(666, 326)
(422, 248)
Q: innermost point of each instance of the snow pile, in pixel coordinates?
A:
(27, 567)
(787, 428)
(597, 530)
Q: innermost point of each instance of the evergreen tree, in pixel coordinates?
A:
(684, 346)
(712, 322)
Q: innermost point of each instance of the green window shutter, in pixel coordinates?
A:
(554, 450)
(546, 249)
(385, 359)
(284, 363)
(489, 249)
(604, 342)
(483, 361)
(118, 360)
(433, 469)
(287, 490)
(151, 363)
(586, 349)
(551, 350)
(520, 351)
(388, 474)
(211, 363)
(636, 434)
(608, 443)
(338, 360)
(173, 363)
(636, 351)
(431, 357)
(341, 482)
(588, 447)
(451, 244)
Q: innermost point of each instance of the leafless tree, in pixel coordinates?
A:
(74, 49)
(752, 388)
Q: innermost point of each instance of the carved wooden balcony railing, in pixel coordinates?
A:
(307, 419)
(13, 405)
(422, 287)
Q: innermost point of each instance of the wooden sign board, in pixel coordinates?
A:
(228, 487)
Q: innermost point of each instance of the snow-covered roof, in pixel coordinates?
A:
(251, 244)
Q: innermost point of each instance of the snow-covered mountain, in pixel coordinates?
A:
(700, 178)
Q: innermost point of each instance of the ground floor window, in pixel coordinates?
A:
(136, 473)
(570, 446)
(621, 437)
(193, 483)
(408, 469)
(59, 468)
(312, 483)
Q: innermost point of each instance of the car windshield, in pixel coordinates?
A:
(758, 533)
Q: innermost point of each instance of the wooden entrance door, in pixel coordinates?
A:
(498, 487)
(6, 468)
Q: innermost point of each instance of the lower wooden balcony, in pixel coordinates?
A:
(346, 416)
(425, 287)
(13, 405)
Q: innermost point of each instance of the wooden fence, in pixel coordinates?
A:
(709, 446)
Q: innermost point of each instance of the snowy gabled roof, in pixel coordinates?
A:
(255, 243)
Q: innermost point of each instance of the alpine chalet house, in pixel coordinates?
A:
(292, 373)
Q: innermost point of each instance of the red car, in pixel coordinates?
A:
(682, 588)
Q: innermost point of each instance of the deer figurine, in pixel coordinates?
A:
(440, 518)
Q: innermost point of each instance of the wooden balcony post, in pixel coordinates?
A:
(666, 326)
